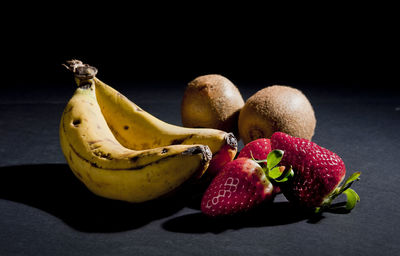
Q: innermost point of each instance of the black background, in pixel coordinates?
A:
(149, 54)
(136, 43)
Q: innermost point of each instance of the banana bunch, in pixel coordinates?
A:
(119, 151)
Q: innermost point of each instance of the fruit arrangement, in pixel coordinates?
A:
(120, 151)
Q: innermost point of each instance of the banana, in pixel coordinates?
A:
(136, 129)
(111, 170)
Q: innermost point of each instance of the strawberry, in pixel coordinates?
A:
(225, 155)
(317, 173)
(258, 149)
(241, 185)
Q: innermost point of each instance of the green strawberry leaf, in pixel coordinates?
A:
(277, 176)
(354, 177)
(286, 175)
(352, 198)
(273, 158)
(274, 173)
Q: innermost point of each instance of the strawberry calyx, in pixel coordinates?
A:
(352, 197)
(275, 173)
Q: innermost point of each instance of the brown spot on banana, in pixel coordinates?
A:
(94, 165)
(134, 159)
(116, 133)
(76, 122)
(181, 140)
(177, 141)
(101, 154)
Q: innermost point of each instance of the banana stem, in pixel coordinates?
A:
(82, 72)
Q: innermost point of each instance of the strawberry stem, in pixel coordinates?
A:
(352, 196)
(275, 173)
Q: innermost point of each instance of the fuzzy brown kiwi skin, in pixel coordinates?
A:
(211, 101)
(276, 108)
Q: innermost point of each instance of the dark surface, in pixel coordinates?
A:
(44, 210)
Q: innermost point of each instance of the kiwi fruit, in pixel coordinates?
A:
(211, 101)
(276, 108)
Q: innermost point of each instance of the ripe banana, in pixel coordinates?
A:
(136, 129)
(109, 169)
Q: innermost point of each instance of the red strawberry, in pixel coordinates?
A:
(259, 150)
(317, 173)
(243, 184)
(224, 155)
(239, 186)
